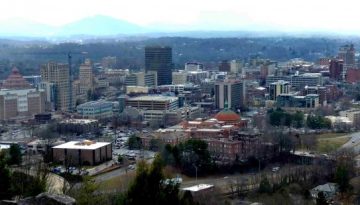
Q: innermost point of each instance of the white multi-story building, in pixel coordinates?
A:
(95, 109)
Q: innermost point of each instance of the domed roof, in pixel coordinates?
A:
(16, 81)
(227, 115)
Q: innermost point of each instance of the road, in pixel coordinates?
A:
(354, 144)
(112, 174)
(251, 181)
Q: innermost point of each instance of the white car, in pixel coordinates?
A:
(275, 169)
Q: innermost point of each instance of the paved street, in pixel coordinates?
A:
(354, 143)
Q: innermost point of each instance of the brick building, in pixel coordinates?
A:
(82, 153)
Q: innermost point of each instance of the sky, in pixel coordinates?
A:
(315, 15)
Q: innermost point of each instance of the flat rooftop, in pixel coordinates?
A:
(86, 144)
(154, 98)
(198, 187)
(79, 121)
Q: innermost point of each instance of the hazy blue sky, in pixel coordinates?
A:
(341, 15)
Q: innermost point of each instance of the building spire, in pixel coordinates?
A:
(226, 105)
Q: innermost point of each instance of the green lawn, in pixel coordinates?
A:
(331, 135)
(330, 144)
(118, 183)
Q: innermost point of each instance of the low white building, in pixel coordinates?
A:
(329, 190)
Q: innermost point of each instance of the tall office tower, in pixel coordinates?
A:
(336, 69)
(230, 92)
(58, 74)
(235, 66)
(159, 59)
(277, 88)
(86, 77)
(224, 66)
(347, 54)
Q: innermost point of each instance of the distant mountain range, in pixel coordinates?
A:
(92, 26)
(100, 26)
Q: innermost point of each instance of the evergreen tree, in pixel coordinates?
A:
(265, 186)
(342, 178)
(149, 186)
(5, 178)
(15, 154)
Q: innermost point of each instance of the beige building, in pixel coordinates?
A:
(353, 115)
(82, 152)
(20, 103)
(86, 77)
(179, 78)
(148, 79)
(277, 88)
(137, 89)
(235, 66)
(59, 75)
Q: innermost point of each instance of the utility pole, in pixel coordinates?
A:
(196, 169)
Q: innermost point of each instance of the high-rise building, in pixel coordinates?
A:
(336, 69)
(347, 54)
(235, 66)
(50, 95)
(159, 59)
(224, 66)
(230, 92)
(277, 88)
(59, 75)
(86, 77)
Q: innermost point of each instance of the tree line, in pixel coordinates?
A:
(19, 182)
(279, 117)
